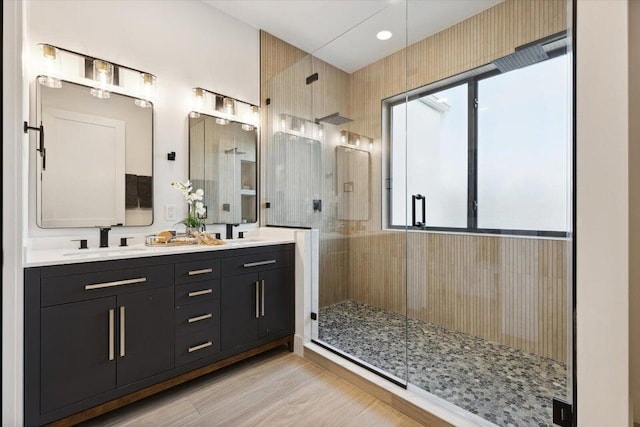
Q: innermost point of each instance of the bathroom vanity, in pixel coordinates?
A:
(102, 332)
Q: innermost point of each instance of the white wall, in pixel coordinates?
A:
(184, 43)
(602, 226)
(12, 201)
(634, 206)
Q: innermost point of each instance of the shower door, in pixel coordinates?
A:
(481, 168)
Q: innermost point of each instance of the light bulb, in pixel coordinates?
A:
(301, 128)
(358, 142)
(221, 121)
(320, 133)
(343, 138)
(371, 145)
(247, 127)
(283, 124)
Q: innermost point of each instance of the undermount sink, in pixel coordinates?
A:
(102, 252)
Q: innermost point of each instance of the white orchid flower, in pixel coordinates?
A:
(200, 192)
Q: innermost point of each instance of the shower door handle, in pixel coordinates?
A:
(414, 199)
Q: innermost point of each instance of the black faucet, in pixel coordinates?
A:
(230, 230)
(104, 237)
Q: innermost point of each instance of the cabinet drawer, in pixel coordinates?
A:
(255, 262)
(196, 271)
(78, 287)
(197, 317)
(196, 346)
(193, 293)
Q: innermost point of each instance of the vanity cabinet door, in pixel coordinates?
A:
(239, 310)
(145, 334)
(77, 351)
(275, 300)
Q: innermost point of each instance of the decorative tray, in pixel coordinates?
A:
(202, 238)
(177, 240)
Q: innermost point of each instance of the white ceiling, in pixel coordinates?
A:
(343, 32)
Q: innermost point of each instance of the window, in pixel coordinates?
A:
(490, 153)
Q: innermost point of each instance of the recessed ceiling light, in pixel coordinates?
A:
(384, 35)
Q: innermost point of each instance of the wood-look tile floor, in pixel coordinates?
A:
(276, 388)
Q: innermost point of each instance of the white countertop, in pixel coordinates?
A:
(64, 255)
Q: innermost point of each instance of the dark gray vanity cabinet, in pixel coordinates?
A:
(115, 335)
(99, 335)
(257, 298)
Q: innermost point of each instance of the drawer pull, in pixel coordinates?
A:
(112, 316)
(203, 271)
(200, 347)
(198, 318)
(202, 292)
(258, 263)
(117, 283)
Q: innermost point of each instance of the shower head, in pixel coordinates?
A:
(521, 58)
(334, 119)
(234, 150)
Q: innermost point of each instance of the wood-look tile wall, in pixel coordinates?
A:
(509, 290)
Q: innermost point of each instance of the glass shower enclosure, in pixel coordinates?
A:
(437, 167)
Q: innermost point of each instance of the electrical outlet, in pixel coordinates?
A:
(170, 212)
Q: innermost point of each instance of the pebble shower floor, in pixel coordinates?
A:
(500, 384)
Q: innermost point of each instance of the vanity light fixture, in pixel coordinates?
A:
(103, 75)
(148, 90)
(353, 139)
(384, 35)
(221, 121)
(51, 65)
(106, 75)
(247, 127)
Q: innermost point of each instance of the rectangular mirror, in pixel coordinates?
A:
(353, 185)
(97, 166)
(222, 161)
(293, 181)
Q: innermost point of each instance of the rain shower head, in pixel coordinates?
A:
(334, 119)
(521, 58)
(234, 150)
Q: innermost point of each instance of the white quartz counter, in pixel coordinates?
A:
(51, 255)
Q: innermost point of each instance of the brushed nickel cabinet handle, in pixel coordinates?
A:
(122, 325)
(200, 347)
(203, 271)
(112, 328)
(262, 302)
(202, 292)
(198, 318)
(117, 283)
(257, 299)
(256, 264)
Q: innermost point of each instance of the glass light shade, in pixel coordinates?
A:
(148, 90)
(229, 106)
(103, 75)
(221, 121)
(197, 100)
(51, 65)
(255, 115)
(247, 127)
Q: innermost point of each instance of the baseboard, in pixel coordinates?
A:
(414, 406)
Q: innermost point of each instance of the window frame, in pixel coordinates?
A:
(472, 148)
